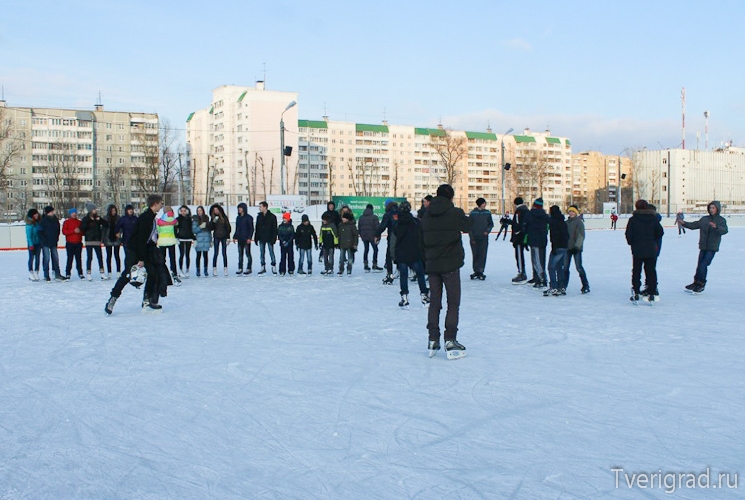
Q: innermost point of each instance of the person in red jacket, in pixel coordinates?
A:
(74, 243)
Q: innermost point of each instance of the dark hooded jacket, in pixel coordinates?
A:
(408, 239)
(348, 235)
(139, 242)
(518, 225)
(557, 227)
(111, 235)
(49, 229)
(442, 226)
(536, 226)
(709, 237)
(305, 235)
(368, 224)
(93, 229)
(266, 228)
(333, 215)
(183, 228)
(642, 232)
(481, 222)
(125, 225)
(219, 223)
(244, 225)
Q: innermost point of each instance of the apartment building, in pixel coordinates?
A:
(687, 180)
(597, 179)
(233, 145)
(69, 157)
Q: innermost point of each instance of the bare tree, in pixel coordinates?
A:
(352, 176)
(11, 147)
(451, 150)
(395, 179)
(169, 151)
(146, 170)
(533, 172)
(263, 175)
(63, 175)
(330, 180)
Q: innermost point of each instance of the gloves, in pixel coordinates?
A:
(31, 248)
(203, 225)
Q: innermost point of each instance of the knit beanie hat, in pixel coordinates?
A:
(287, 216)
(305, 218)
(519, 200)
(48, 209)
(90, 207)
(538, 203)
(73, 210)
(129, 207)
(573, 208)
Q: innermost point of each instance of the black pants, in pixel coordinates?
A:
(478, 249)
(74, 251)
(650, 273)
(224, 243)
(244, 249)
(374, 246)
(286, 258)
(184, 252)
(520, 257)
(171, 251)
(89, 257)
(451, 281)
(578, 265)
(113, 250)
(202, 255)
(154, 285)
(505, 229)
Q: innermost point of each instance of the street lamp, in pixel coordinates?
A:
(504, 167)
(282, 146)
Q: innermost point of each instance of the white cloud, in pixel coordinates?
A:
(518, 43)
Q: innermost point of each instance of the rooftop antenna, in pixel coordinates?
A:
(264, 73)
(385, 118)
(683, 99)
(325, 113)
(488, 126)
(706, 130)
(99, 102)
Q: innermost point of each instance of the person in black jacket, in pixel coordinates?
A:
(559, 234)
(481, 225)
(504, 225)
(266, 235)
(642, 232)
(409, 255)
(125, 225)
(111, 239)
(244, 233)
(305, 239)
(518, 240)
(143, 252)
(536, 227)
(93, 228)
(186, 237)
(333, 217)
(442, 226)
(49, 230)
(220, 234)
(388, 224)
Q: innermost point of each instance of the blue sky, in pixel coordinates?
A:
(608, 75)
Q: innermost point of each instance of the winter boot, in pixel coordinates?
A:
(300, 271)
(367, 267)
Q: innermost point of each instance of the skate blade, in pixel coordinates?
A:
(456, 354)
(433, 353)
(147, 310)
(404, 308)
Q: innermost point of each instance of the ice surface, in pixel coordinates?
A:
(321, 387)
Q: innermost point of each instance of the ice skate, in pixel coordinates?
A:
(433, 346)
(404, 303)
(388, 280)
(214, 271)
(225, 271)
(454, 349)
(109, 307)
(274, 268)
(425, 299)
(520, 279)
(88, 275)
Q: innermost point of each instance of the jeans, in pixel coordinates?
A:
(650, 273)
(224, 243)
(244, 249)
(578, 265)
(184, 252)
(451, 281)
(328, 259)
(262, 248)
(286, 258)
(47, 254)
(374, 246)
(538, 259)
(478, 249)
(34, 258)
(305, 253)
(74, 251)
(704, 259)
(346, 257)
(418, 268)
(556, 268)
(89, 257)
(113, 250)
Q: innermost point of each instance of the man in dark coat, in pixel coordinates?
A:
(142, 251)
(442, 226)
(49, 230)
(409, 254)
(712, 227)
(387, 224)
(642, 232)
(366, 226)
(266, 234)
(536, 227)
(481, 225)
(518, 240)
(244, 233)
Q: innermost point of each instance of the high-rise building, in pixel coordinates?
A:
(233, 145)
(597, 179)
(68, 157)
(687, 180)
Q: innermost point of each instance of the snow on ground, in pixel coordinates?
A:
(305, 388)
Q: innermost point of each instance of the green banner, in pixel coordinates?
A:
(358, 203)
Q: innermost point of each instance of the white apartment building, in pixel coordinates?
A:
(599, 179)
(345, 158)
(67, 157)
(687, 180)
(233, 145)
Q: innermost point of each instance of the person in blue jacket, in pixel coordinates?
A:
(49, 231)
(243, 235)
(125, 225)
(33, 217)
(202, 229)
